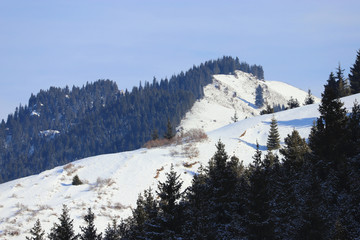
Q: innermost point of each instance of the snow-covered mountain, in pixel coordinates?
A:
(230, 93)
(113, 181)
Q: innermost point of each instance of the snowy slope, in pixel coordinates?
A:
(114, 181)
(230, 93)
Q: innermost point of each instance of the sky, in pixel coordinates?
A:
(48, 43)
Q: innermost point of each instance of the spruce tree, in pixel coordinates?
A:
(235, 118)
(343, 88)
(259, 98)
(295, 150)
(36, 232)
(293, 103)
(273, 141)
(89, 231)
(327, 140)
(64, 230)
(309, 98)
(170, 194)
(354, 75)
(257, 164)
(169, 134)
(111, 232)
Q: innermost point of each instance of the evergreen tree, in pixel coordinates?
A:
(111, 232)
(64, 230)
(257, 162)
(343, 87)
(223, 176)
(170, 194)
(354, 75)
(76, 180)
(259, 98)
(309, 98)
(89, 232)
(273, 141)
(327, 140)
(169, 130)
(295, 150)
(155, 135)
(36, 232)
(259, 225)
(293, 103)
(144, 221)
(235, 118)
(353, 131)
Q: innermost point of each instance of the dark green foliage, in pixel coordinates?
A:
(273, 141)
(293, 103)
(309, 98)
(111, 232)
(36, 232)
(342, 83)
(155, 135)
(354, 75)
(170, 214)
(98, 118)
(76, 180)
(295, 150)
(259, 98)
(64, 230)
(89, 231)
(328, 138)
(169, 134)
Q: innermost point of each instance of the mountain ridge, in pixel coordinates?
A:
(113, 182)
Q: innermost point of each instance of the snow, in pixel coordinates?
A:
(112, 182)
(49, 133)
(35, 113)
(230, 93)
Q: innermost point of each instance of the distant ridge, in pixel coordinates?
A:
(98, 118)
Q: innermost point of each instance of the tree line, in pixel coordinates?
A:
(61, 125)
(304, 190)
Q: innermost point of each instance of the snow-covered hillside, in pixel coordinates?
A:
(230, 93)
(113, 181)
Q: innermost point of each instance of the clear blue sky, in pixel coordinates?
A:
(47, 43)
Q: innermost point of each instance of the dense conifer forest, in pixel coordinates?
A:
(60, 125)
(302, 191)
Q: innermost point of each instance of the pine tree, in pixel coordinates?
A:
(293, 103)
(111, 232)
(36, 232)
(354, 75)
(343, 88)
(235, 118)
(327, 140)
(89, 232)
(144, 219)
(309, 98)
(76, 180)
(273, 141)
(170, 194)
(295, 150)
(259, 98)
(169, 130)
(257, 163)
(64, 230)
(155, 135)
(353, 131)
